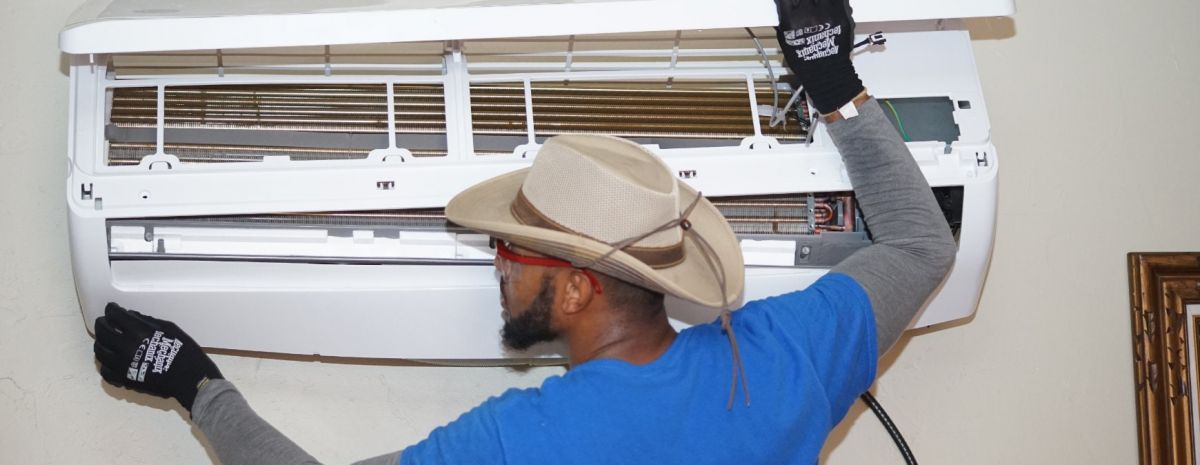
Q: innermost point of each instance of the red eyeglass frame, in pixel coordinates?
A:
(505, 252)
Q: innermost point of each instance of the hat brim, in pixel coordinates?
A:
(486, 207)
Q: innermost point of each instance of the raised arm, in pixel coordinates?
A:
(912, 246)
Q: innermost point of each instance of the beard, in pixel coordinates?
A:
(533, 326)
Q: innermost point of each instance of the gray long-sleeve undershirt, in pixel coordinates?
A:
(241, 437)
(911, 254)
(912, 248)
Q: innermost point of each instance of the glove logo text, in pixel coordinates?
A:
(155, 354)
(800, 32)
(814, 46)
(162, 352)
(137, 370)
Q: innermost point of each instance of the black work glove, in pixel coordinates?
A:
(817, 37)
(150, 355)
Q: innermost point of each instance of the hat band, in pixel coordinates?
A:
(656, 257)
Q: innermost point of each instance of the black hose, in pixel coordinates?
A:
(894, 432)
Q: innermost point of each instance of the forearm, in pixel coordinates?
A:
(913, 248)
(239, 436)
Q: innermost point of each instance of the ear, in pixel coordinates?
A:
(577, 293)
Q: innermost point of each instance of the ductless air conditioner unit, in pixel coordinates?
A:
(272, 178)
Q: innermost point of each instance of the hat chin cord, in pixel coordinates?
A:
(718, 270)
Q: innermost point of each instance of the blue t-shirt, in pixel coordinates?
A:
(807, 355)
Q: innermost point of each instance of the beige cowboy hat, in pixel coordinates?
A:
(610, 205)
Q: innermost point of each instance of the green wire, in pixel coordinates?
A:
(899, 123)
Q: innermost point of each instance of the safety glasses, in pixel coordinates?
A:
(504, 251)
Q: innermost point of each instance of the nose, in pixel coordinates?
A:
(501, 266)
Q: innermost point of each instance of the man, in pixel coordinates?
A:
(588, 240)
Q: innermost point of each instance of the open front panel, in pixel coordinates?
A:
(107, 26)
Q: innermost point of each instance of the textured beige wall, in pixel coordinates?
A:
(1094, 115)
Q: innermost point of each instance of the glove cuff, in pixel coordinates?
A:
(831, 85)
(208, 372)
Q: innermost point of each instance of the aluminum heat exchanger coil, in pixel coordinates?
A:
(199, 121)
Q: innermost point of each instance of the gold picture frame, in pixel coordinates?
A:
(1162, 286)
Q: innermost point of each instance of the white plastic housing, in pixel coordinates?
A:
(115, 26)
(452, 312)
